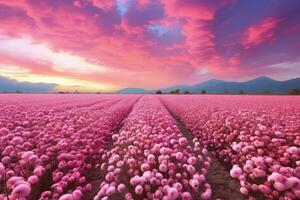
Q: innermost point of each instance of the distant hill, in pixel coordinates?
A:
(133, 91)
(181, 88)
(11, 85)
(258, 85)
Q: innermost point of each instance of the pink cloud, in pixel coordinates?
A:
(260, 33)
(234, 61)
(104, 4)
(185, 39)
(189, 9)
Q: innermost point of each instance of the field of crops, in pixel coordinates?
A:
(71, 147)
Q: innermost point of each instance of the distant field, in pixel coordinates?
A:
(88, 146)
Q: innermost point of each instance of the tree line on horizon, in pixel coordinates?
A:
(293, 91)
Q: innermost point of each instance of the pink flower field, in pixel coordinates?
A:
(99, 147)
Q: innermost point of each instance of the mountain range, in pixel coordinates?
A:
(262, 84)
(11, 86)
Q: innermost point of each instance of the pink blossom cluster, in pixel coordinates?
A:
(41, 145)
(152, 159)
(258, 136)
(68, 147)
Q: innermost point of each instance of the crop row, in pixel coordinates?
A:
(44, 154)
(259, 137)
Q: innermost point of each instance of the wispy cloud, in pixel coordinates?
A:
(260, 33)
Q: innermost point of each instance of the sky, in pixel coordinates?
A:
(106, 45)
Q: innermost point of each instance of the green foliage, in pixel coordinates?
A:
(266, 92)
(175, 91)
(241, 92)
(294, 91)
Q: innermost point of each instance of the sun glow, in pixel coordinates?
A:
(58, 62)
(63, 83)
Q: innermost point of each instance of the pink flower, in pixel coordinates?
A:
(66, 197)
(138, 190)
(22, 190)
(186, 196)
(206, 194)
(33, 179)
(236, 171)
(172, 193)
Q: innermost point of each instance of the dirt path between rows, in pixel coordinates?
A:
(95, 177)
(223, 186)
